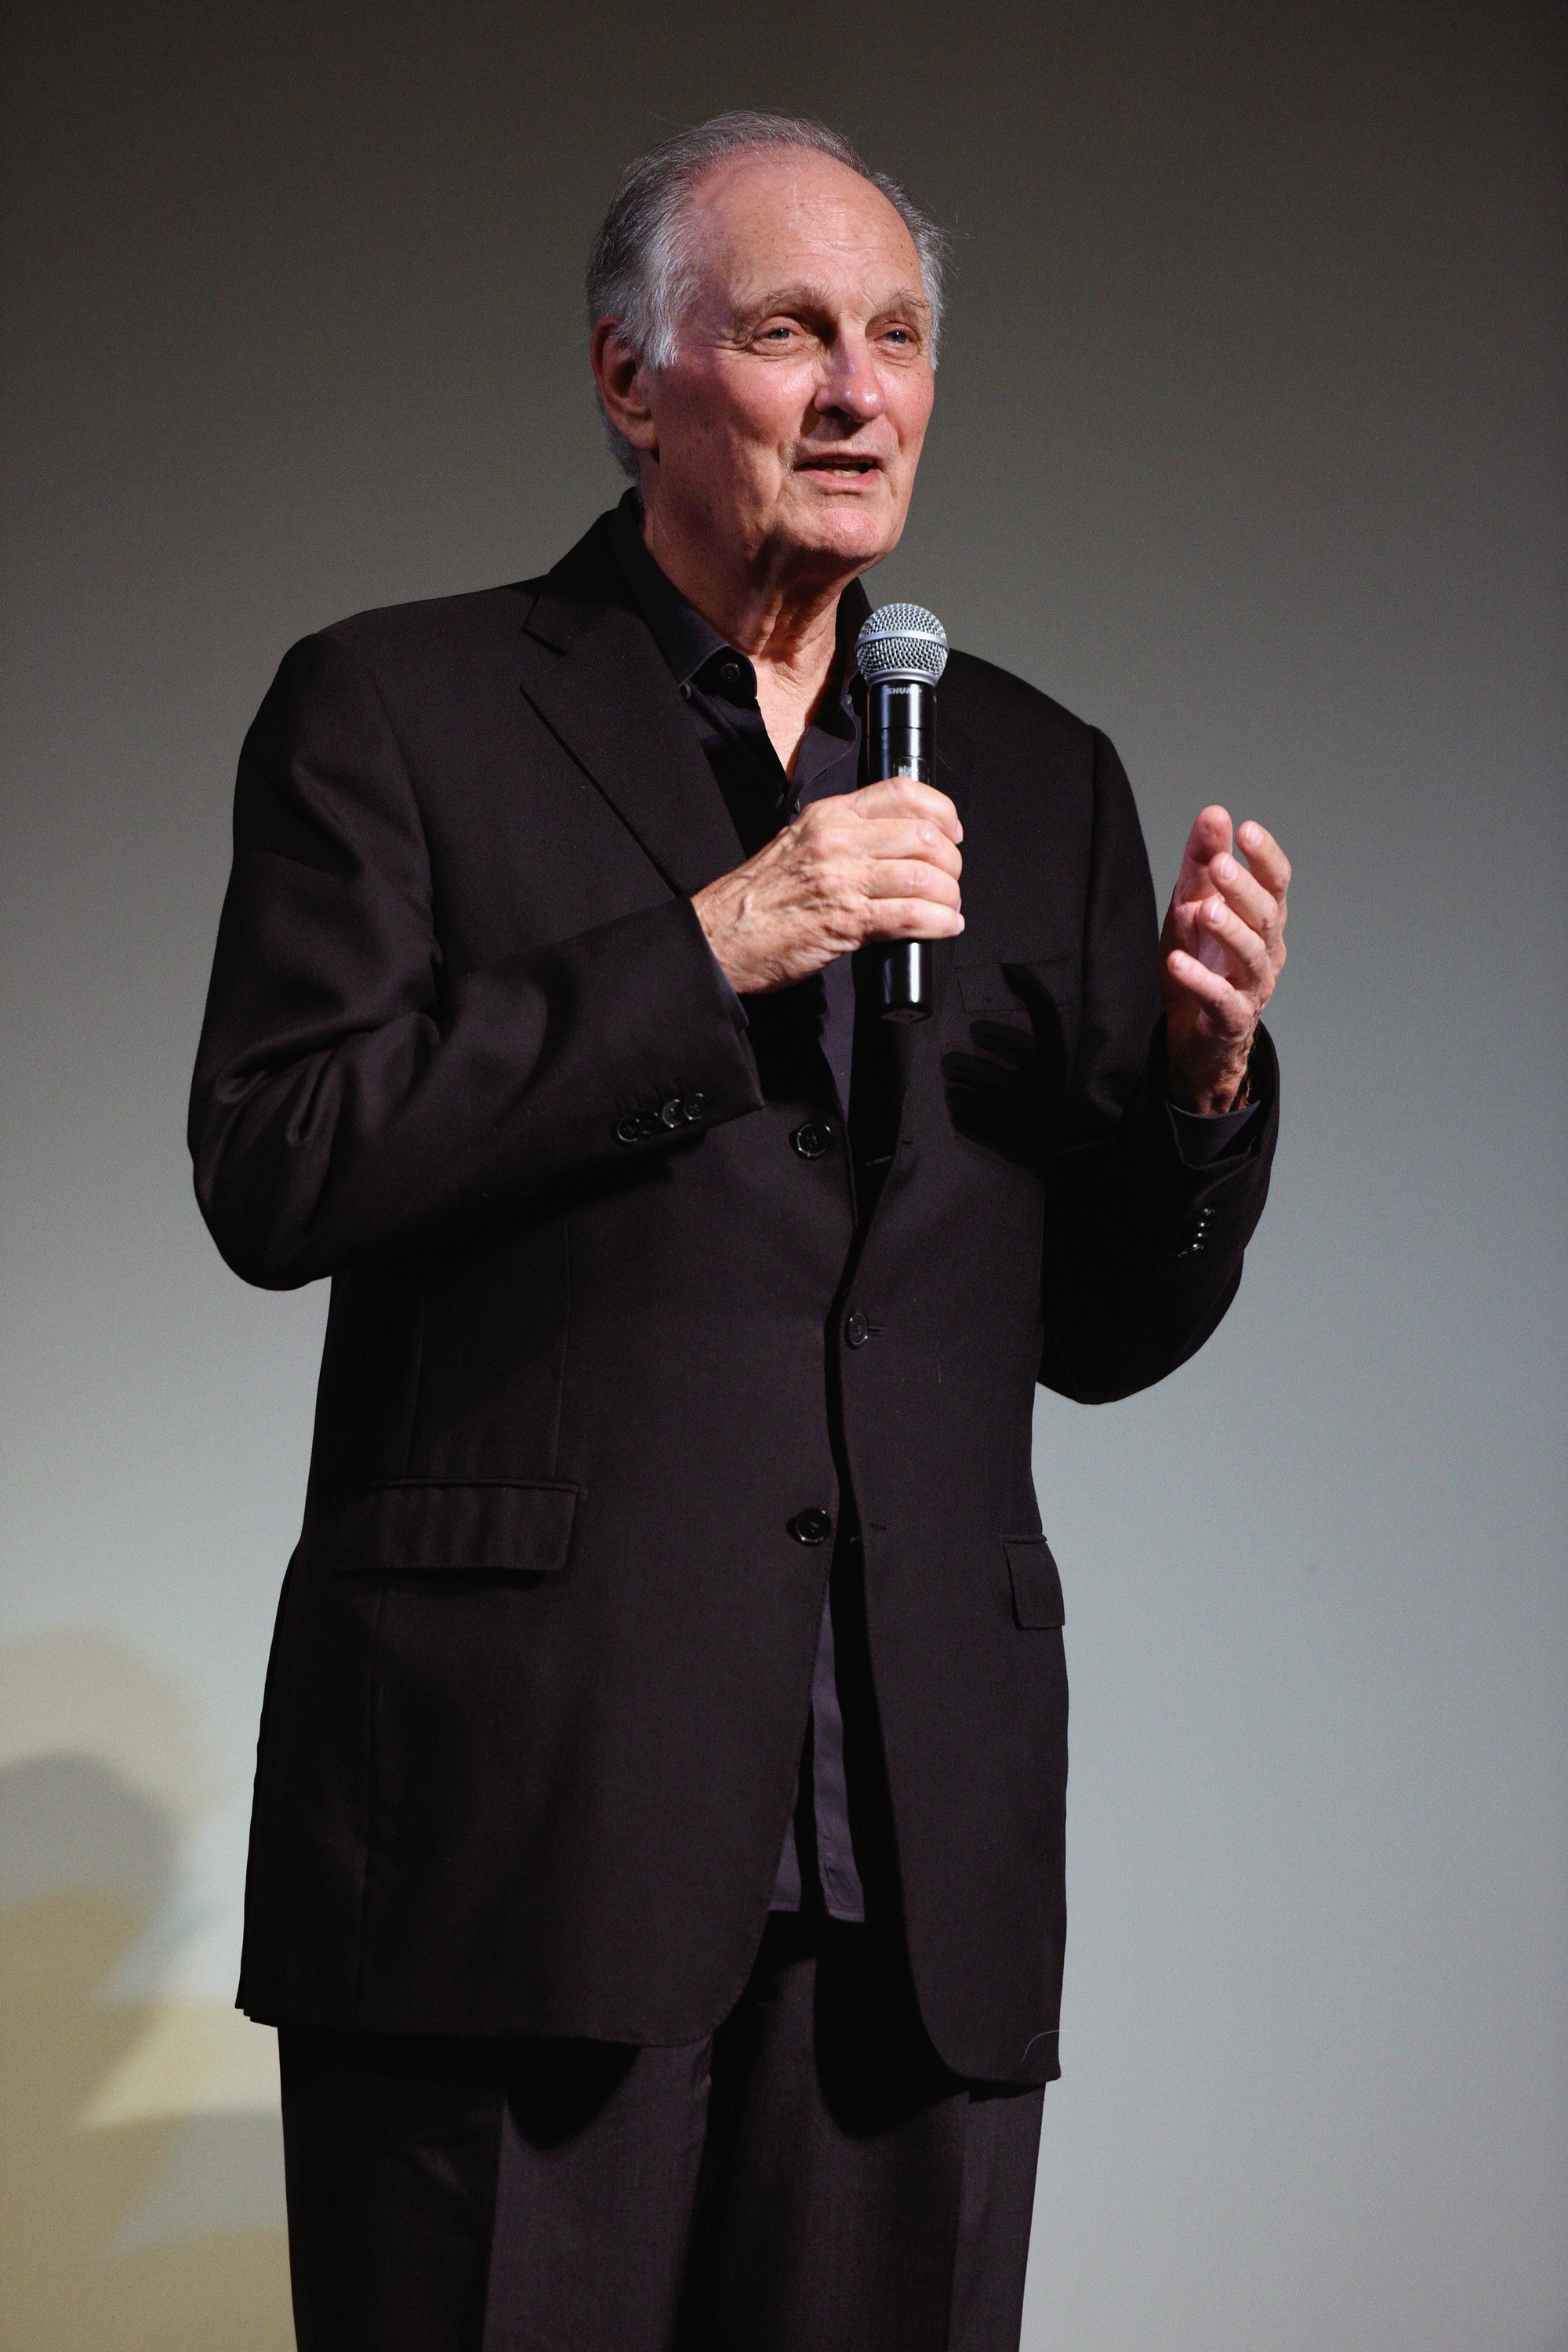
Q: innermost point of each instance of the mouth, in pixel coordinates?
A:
(838, 467)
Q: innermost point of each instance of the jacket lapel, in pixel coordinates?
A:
(592, 670)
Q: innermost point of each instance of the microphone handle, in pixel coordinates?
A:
(899, 739)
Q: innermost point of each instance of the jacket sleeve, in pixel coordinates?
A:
(1144, 1237)
(349, 1096)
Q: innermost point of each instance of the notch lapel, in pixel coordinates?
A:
(593, 672)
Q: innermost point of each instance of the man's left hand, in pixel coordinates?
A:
(1221, 951)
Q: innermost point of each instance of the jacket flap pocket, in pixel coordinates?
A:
(521, 1526)
(1036, 1586)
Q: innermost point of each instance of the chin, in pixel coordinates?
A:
(853, 531)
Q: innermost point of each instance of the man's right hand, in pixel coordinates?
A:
(879, 864)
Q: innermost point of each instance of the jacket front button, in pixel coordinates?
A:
(810, 1526)
(812, 1140)
(857, 1330)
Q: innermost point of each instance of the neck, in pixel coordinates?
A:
(786, 624)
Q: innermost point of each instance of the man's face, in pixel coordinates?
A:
(787, 431)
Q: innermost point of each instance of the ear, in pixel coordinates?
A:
(619, 375)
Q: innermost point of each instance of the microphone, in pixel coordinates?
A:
(900, 653)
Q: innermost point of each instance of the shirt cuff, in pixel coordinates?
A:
(1201, 1138)
(737, 1010)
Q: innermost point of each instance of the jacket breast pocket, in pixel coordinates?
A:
(462, 1527)
(1037, 1585)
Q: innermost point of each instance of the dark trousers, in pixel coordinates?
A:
(809, 2179)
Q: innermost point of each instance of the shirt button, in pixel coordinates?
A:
(812, 1140)
(857, 1330)
(730, 673)
(810, 1526)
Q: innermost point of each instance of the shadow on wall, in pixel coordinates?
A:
(124, 2228)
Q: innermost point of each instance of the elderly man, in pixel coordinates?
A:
(656, 1864)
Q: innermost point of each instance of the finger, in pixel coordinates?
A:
(1210, 837)
(910, 877)
(1230, 1013)
(912, 918)
(1245, 947)
(1247, 896)
(887, 837)
(832, 831)
(1267, 859)
(903, 795)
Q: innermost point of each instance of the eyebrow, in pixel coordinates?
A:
(805, 297)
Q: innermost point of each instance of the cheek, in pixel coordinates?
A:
(738, 438)
(764, 403)
(909, 408)
(733, 461)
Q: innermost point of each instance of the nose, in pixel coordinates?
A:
(849, 382)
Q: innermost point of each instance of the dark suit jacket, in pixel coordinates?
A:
(542, 1670)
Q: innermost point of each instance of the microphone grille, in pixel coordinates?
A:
(901, 641)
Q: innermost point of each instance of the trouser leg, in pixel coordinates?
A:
(599, 2158)
(390, 2146)
(448, 2194)
(856, 2196)
(1001, 2157)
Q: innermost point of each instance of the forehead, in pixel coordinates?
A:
(782, 216)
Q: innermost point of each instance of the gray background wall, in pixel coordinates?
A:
(1249, 447)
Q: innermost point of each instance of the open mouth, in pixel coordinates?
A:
(840, 466)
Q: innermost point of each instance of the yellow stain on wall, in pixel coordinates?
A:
(104, 1776)
(141, 2177)
(193, 2058)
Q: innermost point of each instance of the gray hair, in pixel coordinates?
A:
(640, 272)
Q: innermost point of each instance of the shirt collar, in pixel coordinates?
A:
(687, 641)
(682, 635)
